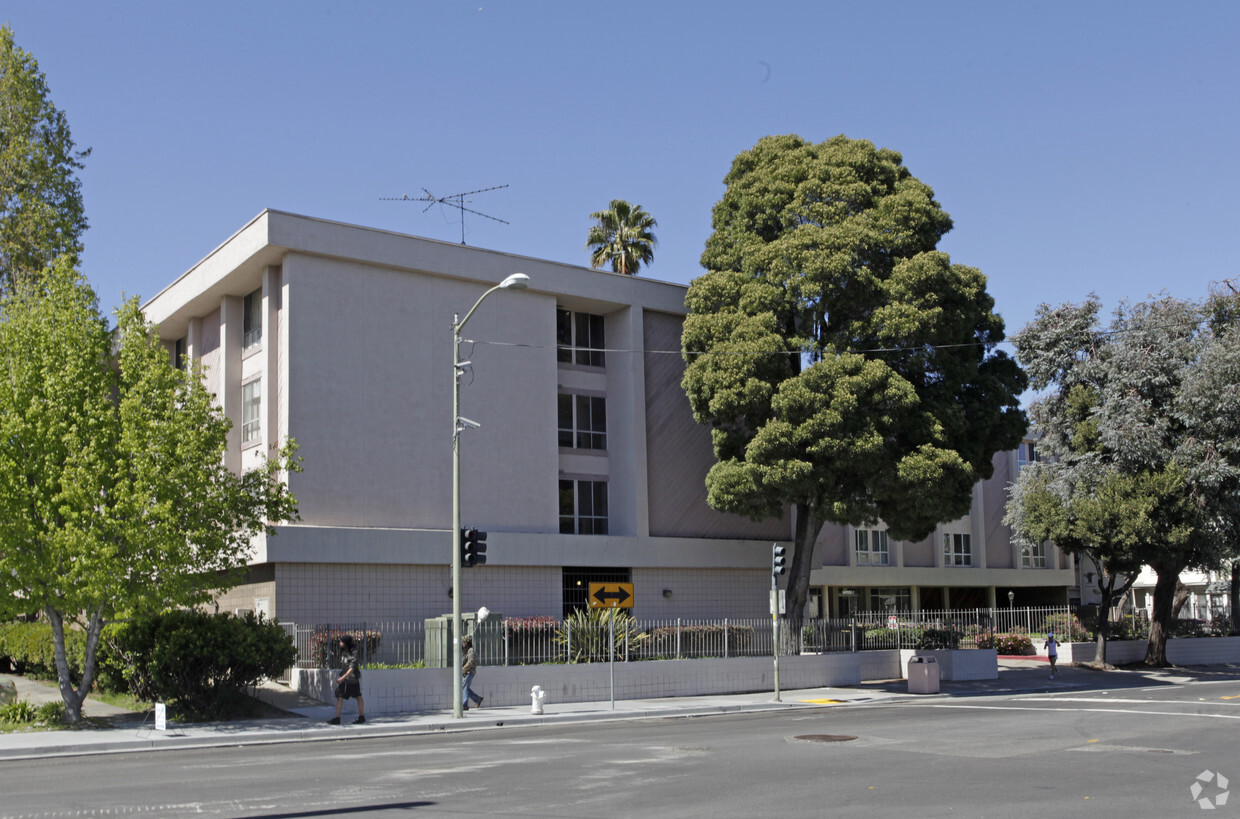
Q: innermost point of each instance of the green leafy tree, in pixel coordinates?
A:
(1139, 422)
(41, 210)
(845, 367)
(114, 496)
(621, 237)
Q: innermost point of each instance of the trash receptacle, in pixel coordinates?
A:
(923, 675)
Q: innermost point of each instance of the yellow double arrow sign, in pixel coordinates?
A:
(611, 595)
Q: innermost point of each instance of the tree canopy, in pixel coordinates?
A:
(1140, 421)
(621, 237)
(41, 212)
(845, 367)
(114, 496)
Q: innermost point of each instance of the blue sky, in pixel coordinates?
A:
(1078, 146)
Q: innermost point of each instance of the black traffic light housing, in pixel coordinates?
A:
(778, 558)
(473, 547)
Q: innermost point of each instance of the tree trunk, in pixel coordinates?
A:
(1107, 591)
(73, 698)
(1181, 597)
(807, 529)
(1160, 618)
(1233, 597)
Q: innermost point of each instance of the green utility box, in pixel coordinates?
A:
(488, 639)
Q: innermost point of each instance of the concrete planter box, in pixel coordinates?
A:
(1180, 651)
(957, 664)
(393, 691)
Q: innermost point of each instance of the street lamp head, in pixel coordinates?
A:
(517, 281)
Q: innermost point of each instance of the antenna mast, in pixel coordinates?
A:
(455, 200)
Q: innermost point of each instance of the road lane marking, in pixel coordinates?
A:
(1096, 699)
(1094, 710)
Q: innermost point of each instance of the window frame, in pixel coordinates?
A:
(870, 544)
(1033, 556)
(576, 433)
(252, 399)
(580, 502)
(957, 550)
(580, 338)
(252, 319)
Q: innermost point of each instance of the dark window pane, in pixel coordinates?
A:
(565, 409)
(563, 334)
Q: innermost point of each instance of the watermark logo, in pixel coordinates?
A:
(1199, 788)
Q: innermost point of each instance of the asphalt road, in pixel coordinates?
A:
(1134, 752)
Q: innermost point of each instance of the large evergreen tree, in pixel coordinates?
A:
(846, 368)
(41, 212)
(114, 496)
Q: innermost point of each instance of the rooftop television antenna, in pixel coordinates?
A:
(455, 200)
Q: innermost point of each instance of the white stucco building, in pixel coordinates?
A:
(587, 466)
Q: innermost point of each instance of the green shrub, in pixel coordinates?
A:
(18, 712)
(202, 663)
(697, 640)
(325, 645)
(531, 639)
(932, 638)
(1188, 628)
(1067, 628)
(31, 650)
(1014, 642)
(22, 712)
(584, 634)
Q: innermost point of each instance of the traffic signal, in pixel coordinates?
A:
(777, 558)
(473, 547)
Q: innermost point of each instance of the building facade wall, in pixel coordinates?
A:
(354, 364)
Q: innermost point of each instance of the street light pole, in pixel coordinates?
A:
(517, 281)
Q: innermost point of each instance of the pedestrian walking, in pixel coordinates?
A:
(1052, 652)
(469, 667)
(349, 683)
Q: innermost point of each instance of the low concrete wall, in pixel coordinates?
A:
(1180, 651)
(957, 664)
(391, 691)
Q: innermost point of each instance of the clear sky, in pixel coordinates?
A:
(1079, 147)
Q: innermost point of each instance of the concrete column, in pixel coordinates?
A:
(272, 431)
(231, 311)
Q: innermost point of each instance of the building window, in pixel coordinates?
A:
(577, 580)
(1027, 454)
(178, 354)
(252, 320)
(579, 337)
(583, 421)
(251, 411)
(1033, 557)
(872, 548)
(891, 600)
(957, 550)
(583, 507)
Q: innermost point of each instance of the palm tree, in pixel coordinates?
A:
(622, 238)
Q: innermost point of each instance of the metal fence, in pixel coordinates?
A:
(595, 638)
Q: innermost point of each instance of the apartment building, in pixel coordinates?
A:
(587, 464)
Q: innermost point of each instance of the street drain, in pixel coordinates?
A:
(824, 737)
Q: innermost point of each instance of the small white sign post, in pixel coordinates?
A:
(161, 717)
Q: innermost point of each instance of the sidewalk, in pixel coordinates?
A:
(306, 720)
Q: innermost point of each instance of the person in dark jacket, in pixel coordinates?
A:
(469, 667)
(349, 683)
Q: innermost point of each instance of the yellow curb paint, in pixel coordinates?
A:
(822, 702)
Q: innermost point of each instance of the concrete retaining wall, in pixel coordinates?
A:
(391, 691)
(957, 664)
(1180, 651)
